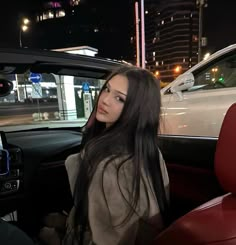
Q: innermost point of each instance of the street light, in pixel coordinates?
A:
(200, 4)
(214, 70)
(143, 35)
(143, 53)
(23, 28)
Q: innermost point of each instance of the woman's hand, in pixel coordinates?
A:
(49, 236)
(55, 220)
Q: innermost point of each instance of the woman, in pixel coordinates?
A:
(119, 180)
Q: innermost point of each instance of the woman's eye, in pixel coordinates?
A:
(118, 98)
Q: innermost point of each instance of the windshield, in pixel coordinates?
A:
(48, 100)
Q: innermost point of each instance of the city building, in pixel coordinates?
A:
(171, 37)
(171, 31)
(103, 25)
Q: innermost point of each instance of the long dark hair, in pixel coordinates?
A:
(134, 133)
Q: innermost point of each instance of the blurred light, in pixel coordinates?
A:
(214, 69)
(206, 56)
(157, 73)
(24, 28)
(221, 79)
(26, 21)
(177, 69)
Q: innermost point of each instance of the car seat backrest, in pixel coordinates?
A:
(225, 155)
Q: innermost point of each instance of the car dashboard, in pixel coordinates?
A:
(36, 182)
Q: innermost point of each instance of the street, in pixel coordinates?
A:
(13, 109)
(13, 114)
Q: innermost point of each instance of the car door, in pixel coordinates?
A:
(200, 110)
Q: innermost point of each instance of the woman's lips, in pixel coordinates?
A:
(101, 110)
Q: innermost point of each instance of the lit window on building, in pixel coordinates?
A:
(195, 38)
(45, 16)
(153, 53)
(146, 12)
(162, 62)
(154, 40)
(74, 2)
(157, 63)
(96, 30)
(52, 5)
(61, 13)
(50, 15)
(191, 15)
(131, 40)
(183, 60)
(172, 18)
(162, 22)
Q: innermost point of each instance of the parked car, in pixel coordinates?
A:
(195, 102)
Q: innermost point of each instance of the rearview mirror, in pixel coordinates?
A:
(5, 87)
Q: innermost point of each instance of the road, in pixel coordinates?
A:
(13, 114)
(22, 109)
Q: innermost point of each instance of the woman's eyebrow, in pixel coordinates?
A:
(121, 93)
(117, 91)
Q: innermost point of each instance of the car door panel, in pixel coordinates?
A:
(190, 164)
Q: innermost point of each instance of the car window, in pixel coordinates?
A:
(48, 99)
(221, 74)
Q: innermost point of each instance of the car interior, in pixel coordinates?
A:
(212, 222)
(34, 182)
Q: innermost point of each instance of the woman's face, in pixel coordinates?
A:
(112, 100)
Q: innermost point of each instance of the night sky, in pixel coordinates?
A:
(218, 22)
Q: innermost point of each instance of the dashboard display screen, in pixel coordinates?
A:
(1, 144)
(4, 155)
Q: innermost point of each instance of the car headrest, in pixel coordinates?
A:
(225, 155)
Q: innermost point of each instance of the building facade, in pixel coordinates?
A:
(171, 37)
(106, 26)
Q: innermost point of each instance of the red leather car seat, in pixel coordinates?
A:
(215, 221)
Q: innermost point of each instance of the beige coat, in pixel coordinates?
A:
(108, 205)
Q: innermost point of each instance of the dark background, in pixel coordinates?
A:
(218, 22)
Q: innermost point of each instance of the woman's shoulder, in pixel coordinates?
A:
(72, 168)
(71, 160)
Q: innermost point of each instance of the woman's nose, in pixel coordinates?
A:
(106, 99)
